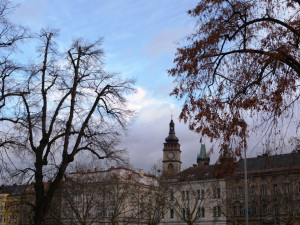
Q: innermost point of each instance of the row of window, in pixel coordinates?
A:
(185, 195)
(240, 211)
(239, 191)
(200, 212)
(10, 219)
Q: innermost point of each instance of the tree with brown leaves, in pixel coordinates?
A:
(243, 60)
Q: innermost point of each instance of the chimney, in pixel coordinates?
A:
(141, 172)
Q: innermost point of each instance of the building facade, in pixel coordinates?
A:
(273, 190)
(113, 196)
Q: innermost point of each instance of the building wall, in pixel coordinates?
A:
(9, 209)
(107, 197)
(273, 197)
(204, 199)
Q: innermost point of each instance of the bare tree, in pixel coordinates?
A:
(73, 108)
(120, 201)
(189, 201)
(80, 201)
(10, 36)
(154, 202)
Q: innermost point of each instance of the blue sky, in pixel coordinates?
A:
(140, 39)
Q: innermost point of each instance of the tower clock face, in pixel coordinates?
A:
(170, 155)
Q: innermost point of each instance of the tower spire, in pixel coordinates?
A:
(172, 137)
(203, 157)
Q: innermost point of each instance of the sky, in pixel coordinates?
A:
(140, 41)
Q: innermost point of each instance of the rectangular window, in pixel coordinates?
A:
(150, 200)
(216, 193)
(132, 197)
(171, 213)
(132, 213)
(254, 211)
(250, 212)
(275, 189)
(110, 213)
(183, 195)
(234, 191)
(198, 212)
(215, 211)
(253, 190)
(219, 210)
(171, 195)
(276, 210)
(241, 192)
(263, 190)
(198, 194)
(264, 209)
(89, 196)
(287, 188)
(187, 195)
(203, 212)
(242, 211)
(202, 193)
(100, 197)
(235, 211)
(100, 211)
(0, 218)
(183, 212)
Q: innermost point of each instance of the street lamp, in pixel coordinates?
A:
(243, 125)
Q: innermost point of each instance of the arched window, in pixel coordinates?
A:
(170, 169)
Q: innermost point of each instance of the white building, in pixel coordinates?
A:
(112, 196)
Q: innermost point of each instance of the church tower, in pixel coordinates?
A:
(203, 158)
(171, 153)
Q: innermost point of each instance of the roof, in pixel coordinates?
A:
(13, 190)
(31, 187)
(200, 172)
(258, 164)
(119, 173)
(270, 162)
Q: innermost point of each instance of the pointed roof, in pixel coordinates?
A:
(202, 154)
(172, 137)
